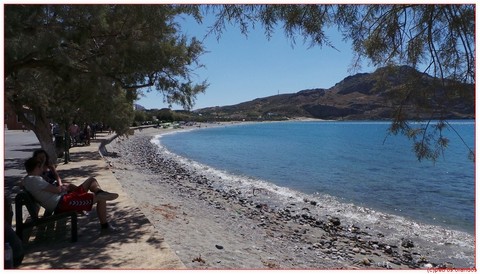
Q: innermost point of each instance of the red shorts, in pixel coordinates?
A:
(77, 200)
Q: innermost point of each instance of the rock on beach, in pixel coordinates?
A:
(220, 228)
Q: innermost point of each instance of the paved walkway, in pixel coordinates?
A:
(138, 245)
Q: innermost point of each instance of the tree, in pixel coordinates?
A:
(165, 114)
(439, 39)
(66, 62)
(436, 39)
(140, 117)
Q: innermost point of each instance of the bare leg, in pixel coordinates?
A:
(91, 184)
(70, 187)
(102, 211)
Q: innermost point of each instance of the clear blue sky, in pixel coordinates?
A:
(240, 68)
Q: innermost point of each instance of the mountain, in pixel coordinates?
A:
(383, 94)
(138, 107)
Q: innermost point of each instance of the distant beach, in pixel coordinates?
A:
(215, 227)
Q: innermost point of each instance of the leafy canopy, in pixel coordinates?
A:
(89, 60)
(438, 40)
(66, 61)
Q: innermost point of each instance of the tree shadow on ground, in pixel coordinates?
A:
(83, 171)
(29, 147)
(92, 250)
(12, 181)
(80, 156)
(10, 185)
(111, 154)
(15, 169)
(16, 163)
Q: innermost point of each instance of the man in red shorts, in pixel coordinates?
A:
(56, 198)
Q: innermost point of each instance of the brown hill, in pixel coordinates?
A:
(384, 94)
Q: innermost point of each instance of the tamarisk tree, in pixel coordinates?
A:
(437, 40)
(66, 62)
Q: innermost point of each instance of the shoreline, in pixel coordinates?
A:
(216, 227)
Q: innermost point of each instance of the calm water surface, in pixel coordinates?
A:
(354, 161)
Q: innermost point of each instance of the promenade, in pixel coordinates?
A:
(138, 245)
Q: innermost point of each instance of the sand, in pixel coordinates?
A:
(210, 226)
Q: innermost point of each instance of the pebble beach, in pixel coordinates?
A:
(213, 226)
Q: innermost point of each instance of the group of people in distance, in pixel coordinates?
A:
(78, 134)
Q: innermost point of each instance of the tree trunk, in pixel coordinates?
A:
(43, 133)
(41, 128)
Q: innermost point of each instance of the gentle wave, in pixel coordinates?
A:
(349, 160)
(434, 239)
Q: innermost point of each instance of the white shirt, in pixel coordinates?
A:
(36, 185)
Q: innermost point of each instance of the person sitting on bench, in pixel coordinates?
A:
(56, 198)
(50, 173)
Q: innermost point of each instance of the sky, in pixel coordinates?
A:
(240, 68)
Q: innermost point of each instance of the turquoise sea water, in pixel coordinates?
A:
(356, 162)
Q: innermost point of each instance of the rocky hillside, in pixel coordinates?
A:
(380, 95)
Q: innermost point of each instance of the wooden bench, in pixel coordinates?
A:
(23, 198)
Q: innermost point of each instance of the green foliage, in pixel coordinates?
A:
(141, 116)
(427, 138)
(68, 61)
(86, 62)
(422, 135)
(439, 39)
(165, 115)
(85, 53)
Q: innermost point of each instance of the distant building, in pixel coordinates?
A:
(11, 118)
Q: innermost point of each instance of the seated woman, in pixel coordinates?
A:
(50, 173)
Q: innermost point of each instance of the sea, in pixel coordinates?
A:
(357, 163)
